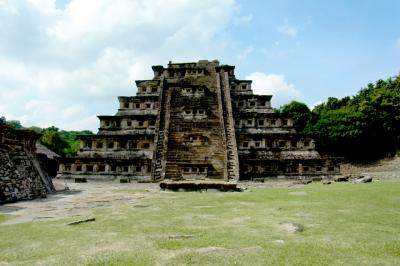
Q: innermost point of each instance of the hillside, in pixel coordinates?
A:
(380, 169)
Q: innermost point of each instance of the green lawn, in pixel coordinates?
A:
(344, 224)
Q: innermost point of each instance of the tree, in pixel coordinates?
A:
(52, 139)
(300, 112)
(73, 148)
(365, 126)
(63, 142)
(14, 124)
(338, 132)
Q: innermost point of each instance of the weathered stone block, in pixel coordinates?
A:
(80, 180)
(124, 180)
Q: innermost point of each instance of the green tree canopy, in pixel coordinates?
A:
(300, 112)
(14, 124)
(365, 126)
(54, 141)
(63, 142)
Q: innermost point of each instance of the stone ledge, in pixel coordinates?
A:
(198, 185)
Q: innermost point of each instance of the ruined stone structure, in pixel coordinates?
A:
(21, 174)
(196, 120)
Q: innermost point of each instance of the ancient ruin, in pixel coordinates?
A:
(22, 175)
(196, 121)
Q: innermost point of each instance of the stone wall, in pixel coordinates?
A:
(21, 176)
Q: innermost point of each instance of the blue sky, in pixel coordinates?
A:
(64, 62)
(339, 46)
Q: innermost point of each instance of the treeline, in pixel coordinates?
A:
(63, 142)
(365, 126)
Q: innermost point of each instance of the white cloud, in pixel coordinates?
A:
(398, 43)
(288, 29)
(64, 67)
(276, 85)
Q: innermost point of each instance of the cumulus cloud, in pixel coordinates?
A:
(63, 67)
(276, 85)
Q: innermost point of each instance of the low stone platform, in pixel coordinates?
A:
(197, 185)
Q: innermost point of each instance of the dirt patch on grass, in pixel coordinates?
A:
(251, 249)
(279, 242)
(212, 249)
(206, 250)
(270, 183)
(179, 237)
(292, 227)
(298, 193)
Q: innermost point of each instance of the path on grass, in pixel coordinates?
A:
(82, 198)
(79, 201)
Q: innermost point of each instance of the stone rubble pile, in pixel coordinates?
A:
(20, 175)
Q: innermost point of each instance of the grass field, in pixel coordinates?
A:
(343, 224)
